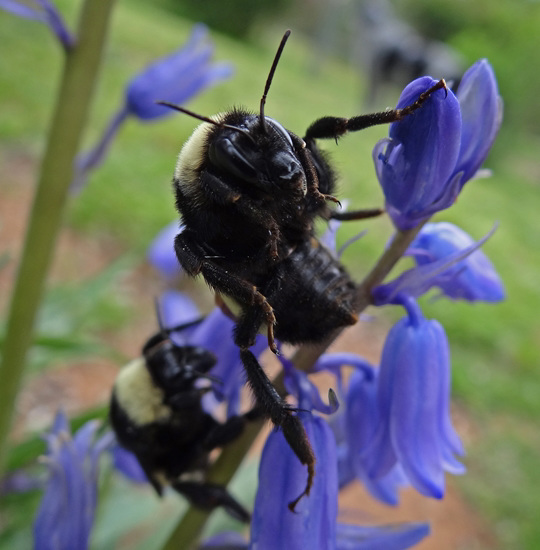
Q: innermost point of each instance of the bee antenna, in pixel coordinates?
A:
(157, 308)
(205, 118)
(271, 76)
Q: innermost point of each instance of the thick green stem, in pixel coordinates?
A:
(190, 527)
(68, 121)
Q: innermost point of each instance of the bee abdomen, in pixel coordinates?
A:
(317, 297)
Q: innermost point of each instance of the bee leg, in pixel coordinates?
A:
(218, 190)
(193, 259)
(312, 180)
(224, 433)
(356, 214)
(281, 414)
(333, 127)
(211, 495)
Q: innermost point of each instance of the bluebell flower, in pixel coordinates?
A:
(447, 258)
(362, 417)
(354, 424)
(66, 514)
(414, 428)
(474, 278)
(161, 252)
(481, 112)
(45, 12)
(432, 153)
(282, 478)
(176, 78)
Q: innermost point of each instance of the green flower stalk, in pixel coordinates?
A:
(82, 63)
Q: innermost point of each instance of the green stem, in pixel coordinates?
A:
(68, 121)
(190, 527)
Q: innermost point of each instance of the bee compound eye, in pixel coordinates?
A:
(225, 153)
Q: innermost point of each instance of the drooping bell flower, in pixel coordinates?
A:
(282, 478)
(176, 78)
(413, 398)
(474, 278)
(45, 12)
(449, 259)
(416, 163)
(66, 514)
(433, 152)
(362, 418)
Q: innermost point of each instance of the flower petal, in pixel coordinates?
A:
(415, 164)
(281, 479)
(415, 407)
(481, 110)
(389, 537)
(175, 78)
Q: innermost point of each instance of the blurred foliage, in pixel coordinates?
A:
(72, 314)
(233, 17)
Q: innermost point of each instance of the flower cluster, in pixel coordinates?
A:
(422, 167)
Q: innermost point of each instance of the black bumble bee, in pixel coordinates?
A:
(157, 414)
(248, 192)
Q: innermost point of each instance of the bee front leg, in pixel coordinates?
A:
(329, 127)
(194, 260)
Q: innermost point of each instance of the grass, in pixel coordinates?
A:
(495, 350)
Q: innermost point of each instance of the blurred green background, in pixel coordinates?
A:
(128, 200)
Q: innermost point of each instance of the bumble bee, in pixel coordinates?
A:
(248, 192)
(157, 414)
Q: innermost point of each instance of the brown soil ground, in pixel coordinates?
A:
(455, 525)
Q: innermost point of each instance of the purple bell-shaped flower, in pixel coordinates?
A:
(414, 428)
(433, 152)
